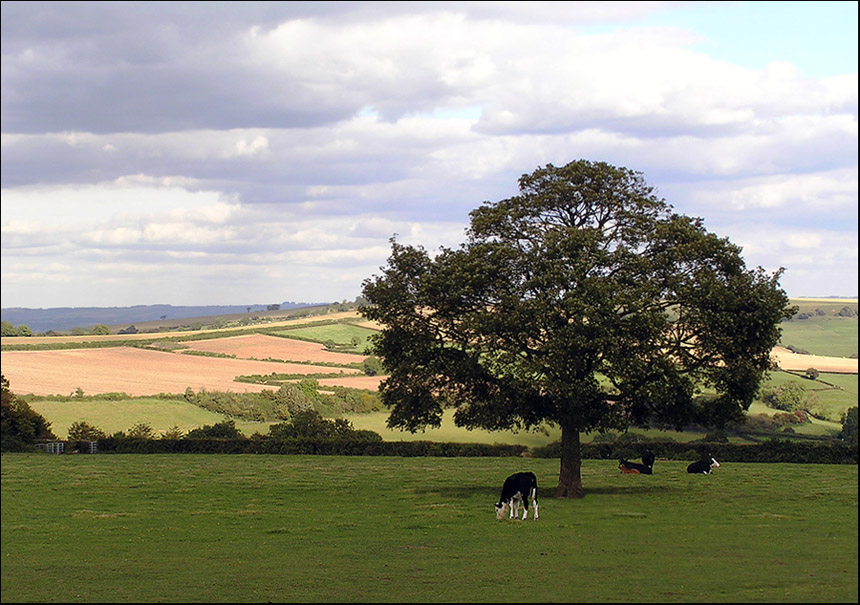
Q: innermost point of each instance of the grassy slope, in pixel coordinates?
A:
(114, 416)
(824, 332)
(206, 528)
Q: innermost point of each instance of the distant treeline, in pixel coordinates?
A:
(66, 318)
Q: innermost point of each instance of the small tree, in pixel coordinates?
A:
(291, 400)
(849, 426)
(371, 365)
(141, 430)
(812, 374)
(220, 430)
(83, 431)
(173, 432)
(20, 425)
(788, 397)
(306, 423)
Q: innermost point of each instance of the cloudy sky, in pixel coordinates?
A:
(259, 152)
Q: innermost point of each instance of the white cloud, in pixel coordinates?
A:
(813, 192)
(272, 141)
(258, 146)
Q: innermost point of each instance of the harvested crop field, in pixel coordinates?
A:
(135, 371)
(788, 360)
(261, 346)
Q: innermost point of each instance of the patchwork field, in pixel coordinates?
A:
(262, 346)
(135, 371)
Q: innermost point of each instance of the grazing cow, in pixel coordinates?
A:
(703, 466)
(634, 468)
(517, 489)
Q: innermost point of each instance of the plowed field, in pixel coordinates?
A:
(261, 346)
(135, 371)
(789, 360)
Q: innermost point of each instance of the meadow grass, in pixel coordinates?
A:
(120, 415)
(341, 334)
(220, 528)
(832, 394)
(831, 336)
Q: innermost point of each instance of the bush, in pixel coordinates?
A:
(849, 427)
(220, 430)
(788, 397)
(82, 431)
(20, 425)
(309, 424)
(774, 450)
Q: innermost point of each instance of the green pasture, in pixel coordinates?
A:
(120, 415)
(832, 393)
(823, 332)
(245, 528)
(163, 414)
(342, 334)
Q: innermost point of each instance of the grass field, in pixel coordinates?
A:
(824, 332)
(218, 528)
(340, 334)
(832, 393)
(120, 415)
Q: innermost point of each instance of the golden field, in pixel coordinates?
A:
(149, 372)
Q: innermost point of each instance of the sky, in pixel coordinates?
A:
(215, 153)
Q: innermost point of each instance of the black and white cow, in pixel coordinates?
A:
(704, 466)
(634, 468)
(517, 489)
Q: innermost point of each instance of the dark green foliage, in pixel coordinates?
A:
(8, 329)
(789, 397)
(773, 450)
(584, 302)
(20, 425)
(362, 443)
(372, 366)
(849, 427)
(83, 431)
(220, 430)
(288, 399)
(309, 423)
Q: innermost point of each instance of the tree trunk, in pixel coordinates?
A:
(570, 475)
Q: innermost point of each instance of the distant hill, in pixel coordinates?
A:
(66, 318)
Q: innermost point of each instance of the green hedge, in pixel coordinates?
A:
(344, 447)
(774, 450)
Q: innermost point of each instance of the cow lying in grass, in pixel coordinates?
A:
(704, 466)
(517, 489)
(634, 468)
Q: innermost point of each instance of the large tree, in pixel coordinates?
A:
(583, 302)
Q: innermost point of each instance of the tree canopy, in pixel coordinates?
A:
(583, 302)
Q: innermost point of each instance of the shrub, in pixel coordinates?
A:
(82, 431)
(141, 430)
(788, 397)
(849, 427)
(220, 430)
(20, 425)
